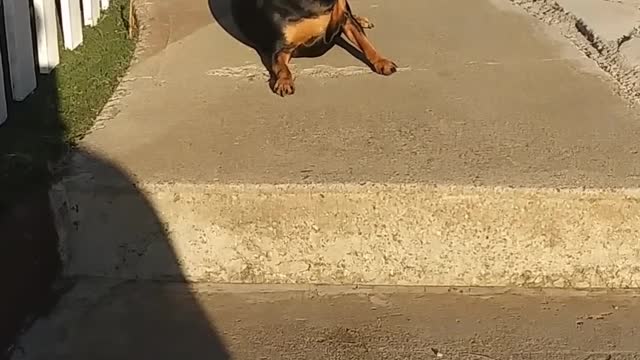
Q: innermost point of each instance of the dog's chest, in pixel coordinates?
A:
(305, 31)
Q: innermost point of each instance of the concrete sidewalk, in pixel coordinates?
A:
(502, 154)
(468, 167)
(103, 320)
(498, 99)
(444, 174)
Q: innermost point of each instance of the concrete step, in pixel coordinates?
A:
(443, 174)
(150, 320)
(354, 233)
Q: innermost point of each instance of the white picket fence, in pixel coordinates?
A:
(18, 31)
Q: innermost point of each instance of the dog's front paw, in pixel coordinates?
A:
(284, 86)
(385, 67)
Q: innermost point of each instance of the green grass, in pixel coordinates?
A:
(63, 108)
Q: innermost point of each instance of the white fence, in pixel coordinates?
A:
(18, 32)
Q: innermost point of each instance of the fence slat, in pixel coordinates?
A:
(17, 19)
(91, 12)
(47, 35)
(3, 96)
(104, 4)
(71, 17)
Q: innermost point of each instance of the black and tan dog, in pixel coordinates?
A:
(280, 29)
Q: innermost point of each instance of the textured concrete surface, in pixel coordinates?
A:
(372, 234)
(164, 321)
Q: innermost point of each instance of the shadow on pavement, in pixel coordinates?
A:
(118, 320)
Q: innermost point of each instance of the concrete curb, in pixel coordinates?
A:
(371, 234)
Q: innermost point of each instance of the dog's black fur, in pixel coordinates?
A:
(281, 29)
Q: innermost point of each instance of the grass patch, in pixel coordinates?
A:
(64, 106)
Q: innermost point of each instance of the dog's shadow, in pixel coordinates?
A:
(235, 17)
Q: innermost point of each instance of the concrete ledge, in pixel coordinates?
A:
(611, 21)
(366, 234)
(605, 31)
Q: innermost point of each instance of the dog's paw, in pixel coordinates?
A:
(364, 22)
(385, 67)
(284, 86)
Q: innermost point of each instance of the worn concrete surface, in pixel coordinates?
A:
(172, 321)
